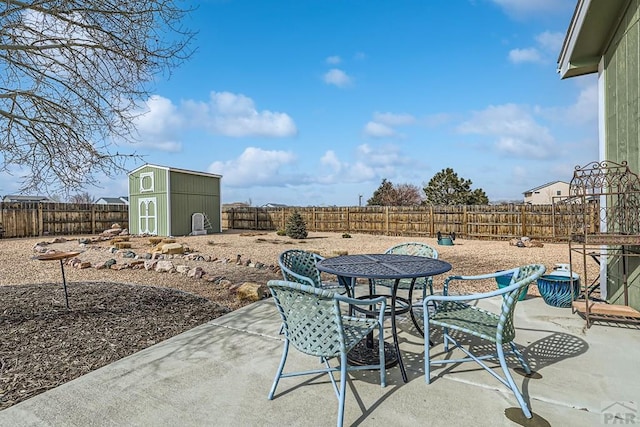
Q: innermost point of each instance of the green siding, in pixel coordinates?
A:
(622, 91)
(192, 193)
(159, 192)
(622, 126)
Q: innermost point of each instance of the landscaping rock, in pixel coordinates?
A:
(251, 291)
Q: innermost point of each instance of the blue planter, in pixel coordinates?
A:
(504, 281)
(556, 289)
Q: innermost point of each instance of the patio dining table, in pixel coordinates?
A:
(348, 268)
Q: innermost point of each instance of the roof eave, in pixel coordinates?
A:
(592, 25)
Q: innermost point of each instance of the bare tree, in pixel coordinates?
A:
(408, 195)
(80, 198)
(389, 194)
(72, 75)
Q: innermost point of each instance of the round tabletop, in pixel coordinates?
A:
(383, 266)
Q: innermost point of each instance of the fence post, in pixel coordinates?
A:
(465, 221)
(431, 225)
(523, 221)
(40, 220)
(348, 221)
(93, 219)
(386, 220)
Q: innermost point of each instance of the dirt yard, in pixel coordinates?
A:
(120, 310)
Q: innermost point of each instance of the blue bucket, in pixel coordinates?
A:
(505, 280)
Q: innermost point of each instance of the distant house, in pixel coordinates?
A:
(123, 200)
(13, 198)
(546, 194)
(274, 205)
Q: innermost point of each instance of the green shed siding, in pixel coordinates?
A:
(192, 193)
(622, 129)
(158, 191)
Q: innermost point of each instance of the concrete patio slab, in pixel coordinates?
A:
(220, 373)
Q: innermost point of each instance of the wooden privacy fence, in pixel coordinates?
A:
(543, 222)
(38, 219)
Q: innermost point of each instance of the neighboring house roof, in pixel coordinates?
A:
(588, 36)
(190, 172)
(274, 205)
(544, 186)
(20, 198)
(113, 200)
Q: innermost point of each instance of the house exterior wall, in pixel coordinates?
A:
(545, 195)
(192, 193)
(622, 91)
(621, 75)
(141, 187)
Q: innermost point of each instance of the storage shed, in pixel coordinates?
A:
(165, 201)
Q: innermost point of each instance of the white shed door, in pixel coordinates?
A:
(148, 216)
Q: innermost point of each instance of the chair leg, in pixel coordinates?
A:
(383, 369)
(285, 351)
(427, 348)
(343, 388)
(521, 359)
(512, 384)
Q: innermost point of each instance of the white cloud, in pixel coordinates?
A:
(584, 111)
(333, 60)
(515, 129)
(370, 163)
(585, 108)
(525, 55)
(337, 77)
(236, 115)
(550, 41)
(256, 167)
(548, 44)
(158, 124)
(383, 124)
(378, 130)
(330, 160)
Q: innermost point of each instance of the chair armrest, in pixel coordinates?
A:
(369, 301)
(471, 297)
(513, 272)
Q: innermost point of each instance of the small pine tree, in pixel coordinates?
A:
(296, 227)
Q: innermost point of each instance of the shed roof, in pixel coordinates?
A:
(592, 25)
(170, 169)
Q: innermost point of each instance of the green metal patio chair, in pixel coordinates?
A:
(424, 283)
(299, 266)
(454, 313)
(315, 323)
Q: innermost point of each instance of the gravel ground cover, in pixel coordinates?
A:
(114, 313)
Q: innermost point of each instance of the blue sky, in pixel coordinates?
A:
(314, 102)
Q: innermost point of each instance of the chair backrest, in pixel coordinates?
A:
(299, 266)
(311, 317)
(521, 277)
(414, 248)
